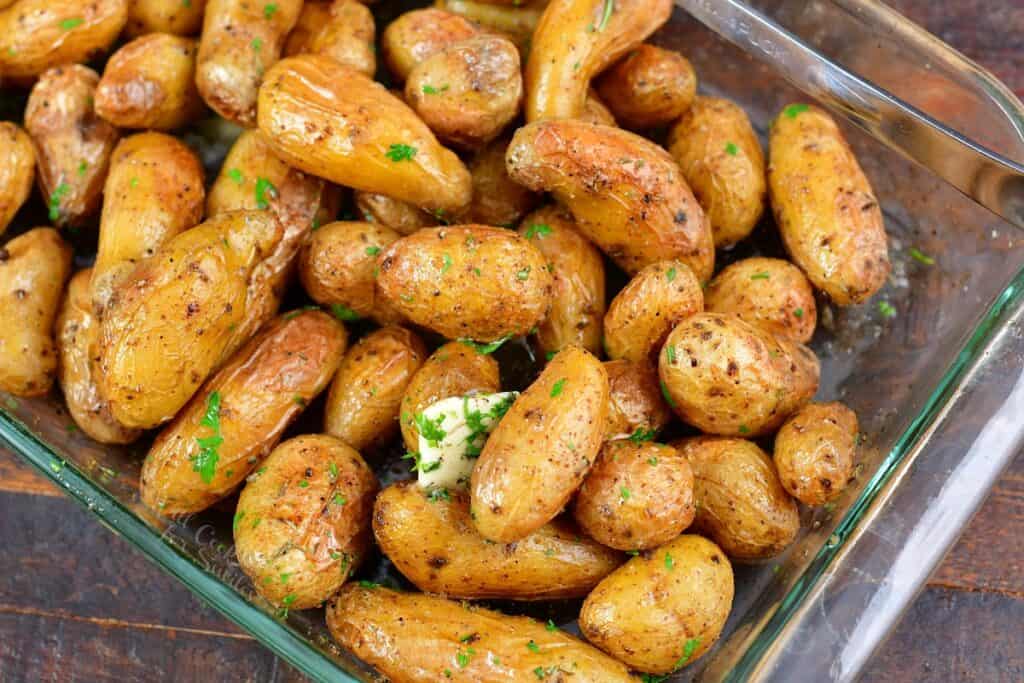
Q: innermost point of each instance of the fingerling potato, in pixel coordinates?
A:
(416, 36)
(814, 452)
(176, 17)
(342, 29)
(496, 199)
(237, 417)
(595, 111)
(649, 87)
(636, 407)
(402, 217)
(303, 523)
(18, 170)
(514, 20)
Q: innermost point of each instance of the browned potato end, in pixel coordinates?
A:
(418, 35)
(649, 87)
(17, 170)
(344, 30)
(636, 407)
(815, 450)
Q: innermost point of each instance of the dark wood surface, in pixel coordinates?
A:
(78, 604)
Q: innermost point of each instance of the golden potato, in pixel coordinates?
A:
(177, 17)
(455, 369)
(341, 29)
(827, 212)
(303, 521)
(240, 41)
(415, 637)
(725, 376)
(721, 157)
(154, 191)
(172, 320)
(73, 144)
(637, 495)
(627, 194)
(636, 407)
(596, 111)
(767, 292)
(36, 35)
(150, 83)
(416, 36)
(663, 609)
(366, 395)
(578, 301)
(467, 281)
(402, 217)
(814, 452)
(645, 311)
(235, 420)
(539, 453)
(515, 20)
(496, 199)
(649, 87)
(334, 122)
(33, 268)
(18, 170)
(577, 39)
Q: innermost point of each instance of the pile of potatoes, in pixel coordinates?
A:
(522, 153)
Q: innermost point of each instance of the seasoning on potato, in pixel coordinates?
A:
(636, 407)
(18, 170)
(814, 452)
(497, 200)
(418, 35)
(649, 87)
(402, 217)
(515, 20)
(343, 30)
(177, 17)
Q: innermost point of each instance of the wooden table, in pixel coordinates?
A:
(79, 604)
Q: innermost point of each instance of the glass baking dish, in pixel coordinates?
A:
(937, 385)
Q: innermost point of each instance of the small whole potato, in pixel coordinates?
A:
(467, 281)
(18, 170)
(516, 20)
(814, 452)
(303, 522)
(664, 608)
(402, 217)
(416, 36)
(636, 407)
(767, 292)
(649, 87)
(741, 503)
(576, 265)
(637, 495)
(365, 398)
(343, 30)
(827, 213)
(725, 376)
(721, 157)
(645, 311)
(539, 453)
(596, 111)
(496, 199)
(176, 17)
(33, 268)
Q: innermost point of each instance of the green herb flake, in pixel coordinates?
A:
(339, 499)
(269, 10)
(205, 462)
(606, 14)
(447, 673)
(446, 263)
(886, 309)
(538, 230)
(256, 44)
(265, 191)
(370, 585)
(632, 553)
(533, 647)
(462, 658)
(550, 626)
(539, 673)
(760, 276)
(624, 492)
(332, 472)
(523, 274)
(439, 494)
(289, 599)
(641, 435)
(689, 647)
(57, 467)
(921, 257)
(284, 577)
(400, 152)
(799, 312)
(486, 349)
(669, 562)
(744, 429)
(372, 251)
(652, 461)
(342, 312)
(430, 429)
(731, 149)
(431, 90)
(82, 168)
(549, 355)
(58, 193)
(557, 388)
(134, 182)
(794, 110)
(670, 354)
(668, 397)
(670, 274)
(70, 23)
(239, 516)
(303, 484)
(236, 176)
(468, 638)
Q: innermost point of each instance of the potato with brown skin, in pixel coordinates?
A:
(455, 369)
(578, 301)
(150, 83)
(73, 144)
(648, 307)
(767, 292)
(76, 332)
(433, 543)
(416, 637)
(402, 217)
(539, 453)
(638, 495)
(341, 29)
(725, 376)
(173, 319)
(249, 403)
(240, 41)
(627, 194)
(649, 87)
(577, 39)
(515, 20)
(36, 35)
(814, 452)
(33, 268)
(334, 122)
(303, 523)
(154, 191)
(416, 36)
(827, 213)
(663, 609)
(18, 170)
(164, 16)
(366, 395)
(596, 111)
(741, 503)
(721, 157)
(466, 281)
(635, 404)
(496, 199)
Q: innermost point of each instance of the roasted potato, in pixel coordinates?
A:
(496, 199)
(636, 407)
(649, 87)
(814, 452)
(302, 523)
(663, 609)
(827, 212)
(402, 217)
(627, 194)
(433, 543)
(18, 170)
(416, 36)
(741, 503)
(33, 268)
(595, 111)
(539, 453)
(235, 420)
(415, 637)
(468, 281)
(366, 395)
(637, 495)
(178, 17)
(645, 311)
(725, 376)
(514, 20)
(173, 319)
(767, 292)
(334, 122)
(341, 29)
(150, 83)
(73, 145)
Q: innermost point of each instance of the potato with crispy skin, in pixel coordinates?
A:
(514, 20)
(596, 111)
(18, 170)
(418, 35)
(176, 17)
(814, 452)
(636, 407)
(343, 30)
(649, 87)
(402, 217)
(497, 200)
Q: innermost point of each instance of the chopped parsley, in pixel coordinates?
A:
(689, 647)
(400, 152)
(886, 309)
(537, 230)
(431, 90)
(205, 462)
(799, 312)
(439, 494)
(269, 10)
(339, 499)
(332, 472)
(533, 647)
(652, 461)
(264, 189)
(550, 354)
(430, 429)
(731, 149)
(82, 168)
(236, 176)
(794, 110)
(557, 388)
(744, 429)
(921, 257)
(58, 193)
(372, 251)
(303, 484)
(462, 658)
(670, 274)
(446, 263)
(488, 348)
(370, 585)
(239, 516)
(668, 397)
(342, 312)
(670, 353)
(73, 22)
(760, 276)
(641, 435)
(551, 626)
(256, 44)
(624, 492)
(523, 274)
(669, 562)
(606, 14)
